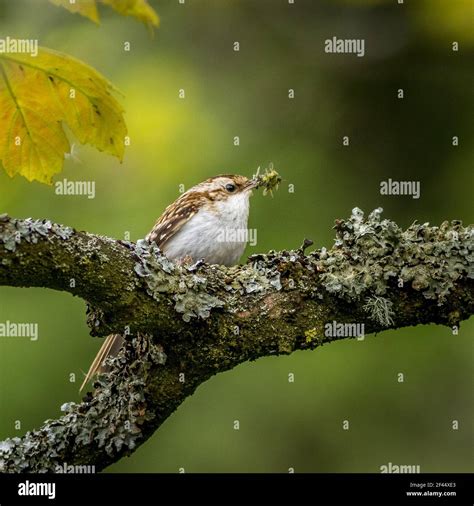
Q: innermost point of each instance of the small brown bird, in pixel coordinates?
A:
(197, 225)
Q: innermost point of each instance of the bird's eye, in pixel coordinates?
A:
(230, 187)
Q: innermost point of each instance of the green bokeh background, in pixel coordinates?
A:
(175, 141)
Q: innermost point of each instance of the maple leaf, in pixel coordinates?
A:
(38, 94)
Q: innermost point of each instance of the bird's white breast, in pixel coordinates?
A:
(217, 234)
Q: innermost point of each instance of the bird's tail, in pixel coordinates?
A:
(110, 348)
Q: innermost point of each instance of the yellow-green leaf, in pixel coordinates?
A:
(139, 9)
(40, 93)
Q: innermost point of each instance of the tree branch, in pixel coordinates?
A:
(186, 323)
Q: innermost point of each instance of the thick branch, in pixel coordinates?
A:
(186, 323)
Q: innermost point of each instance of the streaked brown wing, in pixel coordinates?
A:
(174, 217)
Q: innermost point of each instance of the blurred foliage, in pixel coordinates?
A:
(88, 8)
(182, 141)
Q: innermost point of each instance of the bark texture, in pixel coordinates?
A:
(186, 323)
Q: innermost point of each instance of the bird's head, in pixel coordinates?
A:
(226, 187)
